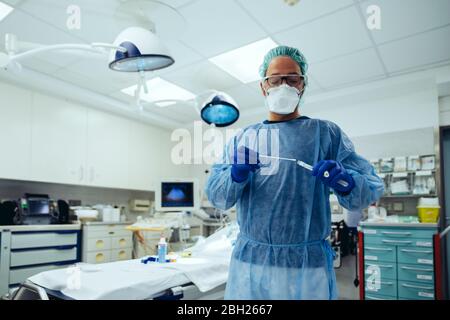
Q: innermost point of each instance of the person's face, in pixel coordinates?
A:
(282, 66)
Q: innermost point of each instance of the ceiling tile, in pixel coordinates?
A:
(351, 68)
(334, 35)
(275, 15)
(202, 76)
(217, 26)
(423, 49)
(246, 96)
(402, 18)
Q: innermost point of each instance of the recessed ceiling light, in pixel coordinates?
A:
(163, 104)
(161, 90)
(243, 63)
(5, 10)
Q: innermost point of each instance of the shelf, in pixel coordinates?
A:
(407, 172)
(409, 196)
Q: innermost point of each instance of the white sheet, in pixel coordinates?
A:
(207, 269)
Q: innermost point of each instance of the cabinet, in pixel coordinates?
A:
(398, 261)
(144, 157)
(58, 141)
(59, 136)
(107, 158)
(15, 132)
(29, 250)
(106, 242)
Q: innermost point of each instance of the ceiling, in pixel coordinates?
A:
(332, 34)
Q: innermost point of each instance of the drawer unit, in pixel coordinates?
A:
(19, 275)
(42, 256)
(387, 270)
(100, 243)
(399, 233)
(122, 242)
(106, 243)
(415, 255)
(412, 272)
(98, 257)
(413, 242)
(27, 250)
(120, 254)
(415, 291)
(22, 240)
(404, 257)
(374, 253)
(385, 287)
(371, 296)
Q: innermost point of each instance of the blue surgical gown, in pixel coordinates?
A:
(282, 251)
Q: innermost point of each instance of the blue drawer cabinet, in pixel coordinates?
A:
(387, 270)
(398, 261)
(415, 291)
(380, 253)
(414, 255)
(412, 272)
(30, 249)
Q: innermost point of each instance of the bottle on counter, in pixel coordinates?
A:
(162, 250)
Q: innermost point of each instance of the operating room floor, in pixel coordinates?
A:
(345, 275)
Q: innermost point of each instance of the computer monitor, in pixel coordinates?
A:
(177, 195)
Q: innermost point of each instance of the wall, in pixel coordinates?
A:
(444, 111)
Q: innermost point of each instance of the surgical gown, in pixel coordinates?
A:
(282, 251)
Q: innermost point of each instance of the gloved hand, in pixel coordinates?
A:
(334, 175)
(245, 161)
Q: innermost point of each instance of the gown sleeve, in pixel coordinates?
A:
(220, 188)
(369, 187)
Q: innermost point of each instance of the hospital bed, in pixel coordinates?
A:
(203, 275)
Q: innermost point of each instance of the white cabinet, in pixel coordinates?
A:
(144, 156)
(59, 136)
(106, 242)
(107, 150)
(15, 132)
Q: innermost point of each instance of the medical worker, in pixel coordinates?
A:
(282, 251)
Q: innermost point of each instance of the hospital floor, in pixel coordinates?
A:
(345, 275)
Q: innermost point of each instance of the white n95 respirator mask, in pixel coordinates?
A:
(282, 99)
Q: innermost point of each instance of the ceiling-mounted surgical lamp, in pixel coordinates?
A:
(219, 109)
(134, 50)
(144, 52)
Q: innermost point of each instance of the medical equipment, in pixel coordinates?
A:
(177, 195)
(219, 109)
(306, 166)
(140, 205)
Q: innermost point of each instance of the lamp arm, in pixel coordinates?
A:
(55, 47)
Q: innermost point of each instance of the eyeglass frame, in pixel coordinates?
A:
(283, 77)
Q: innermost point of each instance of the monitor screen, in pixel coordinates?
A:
(177, 194)
(38, 206)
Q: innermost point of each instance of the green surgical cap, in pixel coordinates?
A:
(286, 51)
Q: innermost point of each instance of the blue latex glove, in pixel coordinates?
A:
(243, 163)
(336, 172)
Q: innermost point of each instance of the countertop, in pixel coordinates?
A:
(41, 227)
(101, 223)
(405, 225)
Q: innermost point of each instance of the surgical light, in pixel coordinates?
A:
(144, 52)
(220, 110)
